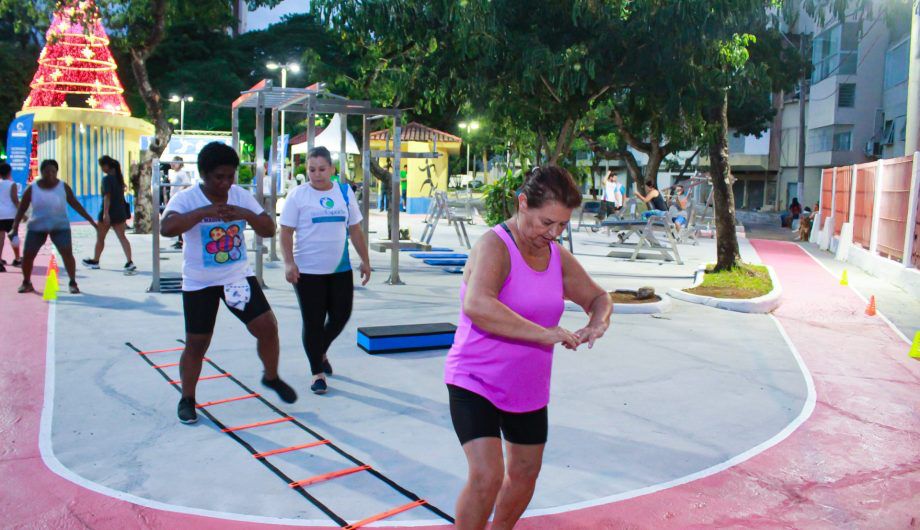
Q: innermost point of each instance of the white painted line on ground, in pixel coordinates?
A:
(55, 465)
(803, 416)
(865, 300)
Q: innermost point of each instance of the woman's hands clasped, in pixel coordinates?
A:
(572, 340)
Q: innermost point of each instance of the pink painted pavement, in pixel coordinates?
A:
(854, 464)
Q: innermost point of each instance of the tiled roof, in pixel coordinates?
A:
(416, 132)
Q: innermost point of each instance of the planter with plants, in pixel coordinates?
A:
(746, 288)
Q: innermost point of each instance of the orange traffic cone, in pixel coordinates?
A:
(870, 309)
(52, 264)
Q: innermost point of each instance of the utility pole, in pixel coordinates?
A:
(803, 84)
(912, 142)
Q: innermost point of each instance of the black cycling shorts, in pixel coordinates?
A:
(201, 306)
(474, 417)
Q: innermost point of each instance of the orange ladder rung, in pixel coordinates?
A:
(205, 378)
(228, 400)
(327, 476)
(170, 365)
(384, 515)
(289, 449)
(148, 352)
(257, 424)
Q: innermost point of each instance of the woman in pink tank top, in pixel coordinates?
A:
(498, 370)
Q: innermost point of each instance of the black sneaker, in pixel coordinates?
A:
(2, 267)
(17, 262)
(91, 263)
(327, 368)
(130, 267)
(187, 413)
(319, 386)
(284, 390)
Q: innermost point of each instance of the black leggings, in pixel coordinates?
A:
(325, 307)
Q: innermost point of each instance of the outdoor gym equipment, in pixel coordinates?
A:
(405, 338)
(440, 209)
(265, 97)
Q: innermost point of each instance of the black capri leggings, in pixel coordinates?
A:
(325, 307)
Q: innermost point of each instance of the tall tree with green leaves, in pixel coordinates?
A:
(137, 27)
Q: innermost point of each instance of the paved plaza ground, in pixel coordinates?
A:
(697, 417)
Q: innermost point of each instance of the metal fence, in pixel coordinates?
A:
(863, 205)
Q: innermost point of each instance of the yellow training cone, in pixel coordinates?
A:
(51, 286)
(843, 278)
(915, 349)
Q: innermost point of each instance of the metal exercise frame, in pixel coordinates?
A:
(311, 101)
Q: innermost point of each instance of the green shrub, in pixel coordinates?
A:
(499, 198)
(245, 175)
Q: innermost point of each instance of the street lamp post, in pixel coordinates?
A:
(285, 68)
(181, 101)
(468, 127)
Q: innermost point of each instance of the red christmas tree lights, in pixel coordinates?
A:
(76, 68)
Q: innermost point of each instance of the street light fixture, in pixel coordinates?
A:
(181, 100)
(469, 127)
(292, 67)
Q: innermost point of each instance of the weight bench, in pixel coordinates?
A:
(406, 338)
(646, 230)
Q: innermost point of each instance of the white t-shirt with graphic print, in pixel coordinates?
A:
(214, 252)
(320, 220)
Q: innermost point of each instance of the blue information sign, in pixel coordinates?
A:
(19, 148)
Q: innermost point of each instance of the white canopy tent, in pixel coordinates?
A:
(331, 139)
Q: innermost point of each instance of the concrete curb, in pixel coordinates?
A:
(660, 306)
(762, 304)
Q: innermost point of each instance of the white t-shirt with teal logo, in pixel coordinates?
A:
(320, 220)
(214, 252)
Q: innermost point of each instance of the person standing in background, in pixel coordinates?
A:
(9, 203)
(180, 178)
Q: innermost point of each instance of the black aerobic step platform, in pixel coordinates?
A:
(444, 262)
(404, 338)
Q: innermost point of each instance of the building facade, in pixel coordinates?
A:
(855, 102)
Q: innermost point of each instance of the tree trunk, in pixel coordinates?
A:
(143, 205)
(485, 165)
(140, 178)
(727, 251)
(386, 181)
(655, 157)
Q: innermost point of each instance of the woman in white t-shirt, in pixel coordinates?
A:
(322, 215)
(213, 217)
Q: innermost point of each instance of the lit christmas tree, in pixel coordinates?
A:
(76, 68)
